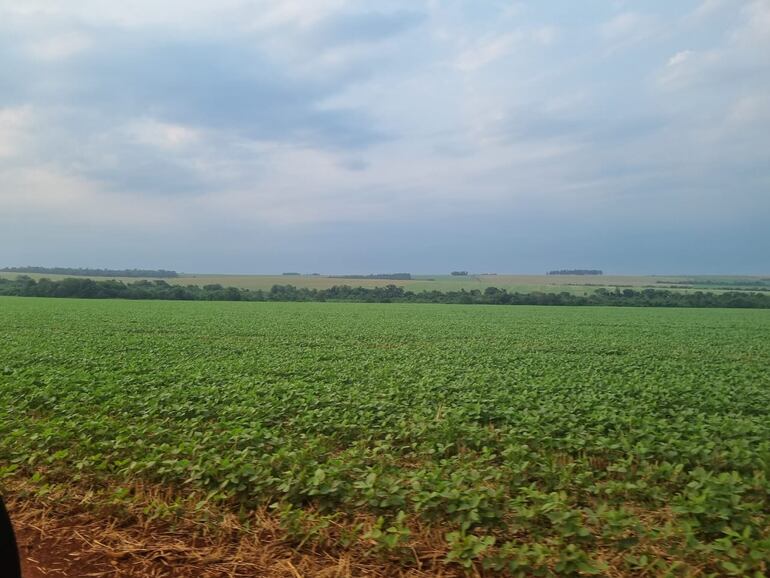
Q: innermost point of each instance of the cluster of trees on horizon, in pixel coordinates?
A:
(85, 272)
(576, 272)
(390, 276)
(25, 286)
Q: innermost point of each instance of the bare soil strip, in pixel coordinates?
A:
(64, 537)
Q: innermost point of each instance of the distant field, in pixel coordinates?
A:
(396, 440)
(577, 284)
(574, 284)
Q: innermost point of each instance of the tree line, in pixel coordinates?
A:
(92, 272)
(25, 286)
(576, 272)
(391, 276)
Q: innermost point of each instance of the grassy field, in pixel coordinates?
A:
(575, 284)
(523, 283)
(398, 438)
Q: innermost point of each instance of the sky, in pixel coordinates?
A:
(339, 136)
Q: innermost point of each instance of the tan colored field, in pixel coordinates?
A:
(575, 284)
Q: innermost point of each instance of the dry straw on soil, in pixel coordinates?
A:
(76, 533)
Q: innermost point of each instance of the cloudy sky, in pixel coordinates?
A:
(424, 136)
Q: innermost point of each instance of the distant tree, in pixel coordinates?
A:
(233, 294)
(391, 276)
(460, 273)
(576, 272)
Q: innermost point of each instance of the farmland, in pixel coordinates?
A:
(521, 441)
(574, 284)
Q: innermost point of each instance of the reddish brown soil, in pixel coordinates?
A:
(58, 558)
(60, 539)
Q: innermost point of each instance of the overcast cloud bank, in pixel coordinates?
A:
(358, 136)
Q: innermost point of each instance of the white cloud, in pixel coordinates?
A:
(162, 135)
(15, 126)
(43, 188)
(627, 29)
(755, 32)
(222, 16)
(484, 51)
(545, 35)
(477, 53)
(679, 58)
(132, 13)
(621, 25)
(45, 192)
(680, 70)
(708, 8)
(59, 47)
(744, 53)
(751, 111)
(301, 13)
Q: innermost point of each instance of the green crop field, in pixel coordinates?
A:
(521, 441)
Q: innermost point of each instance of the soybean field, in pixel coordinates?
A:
(399, 439)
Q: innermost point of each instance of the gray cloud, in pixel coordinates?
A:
(208, 84)
(231, 89)
(363, 27)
